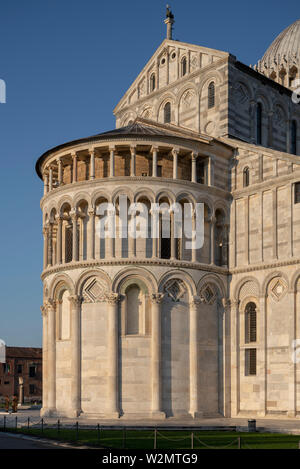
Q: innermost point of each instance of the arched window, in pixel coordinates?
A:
(211, 95)
(259, 124)
(294, 137)
(246, 177)
(134, 307)
(250, 323)
(183, 66)
(167, 113)
(152, 82)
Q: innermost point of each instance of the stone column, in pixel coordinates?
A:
(194, 353)
(45, 361)
(50, 179)
(75, 401)
(60, 171)
(45, 234)
(211, 171)
(46, 187)
(112, 162)
(91, 234)
(172, 233)
(212, 240)
(154, 227)
(92, 164)
(154, 151)
(132, 161)
(156, 300)
(51, 376)
(194, 167)
(175, 152)
(113, 356)
(50, 243)
(74, 217)
(59, 239)
(111, 244)
(74, 157)
(194, 240)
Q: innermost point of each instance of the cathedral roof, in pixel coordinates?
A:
(286, 45)
(138, 128)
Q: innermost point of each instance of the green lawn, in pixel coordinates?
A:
(166, 439)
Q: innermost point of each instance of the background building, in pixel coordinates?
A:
(21, 375)
(147, 328)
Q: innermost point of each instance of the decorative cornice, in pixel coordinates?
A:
(217, 191)
(272, 265)
(141, 262)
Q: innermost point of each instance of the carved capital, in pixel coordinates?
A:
(112, 298)
(196, 301)
(73, 215)
(153, 149)
(75, 300)
(50, 305)
(157, 298)
(44, 310)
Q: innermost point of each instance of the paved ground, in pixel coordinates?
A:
(16, 442)
(269, 424)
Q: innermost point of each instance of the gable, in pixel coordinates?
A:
(167, 66)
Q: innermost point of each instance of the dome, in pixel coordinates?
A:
(281, 62)
(287, 44)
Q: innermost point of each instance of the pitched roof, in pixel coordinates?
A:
(23, 352)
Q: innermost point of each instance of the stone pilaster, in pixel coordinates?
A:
(75, 401)
(235, 358)
(156, 300)
(194, 353)
(45, 361)
(51, 358)
(113, 410)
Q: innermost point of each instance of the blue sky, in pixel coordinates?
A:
(66, 64)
